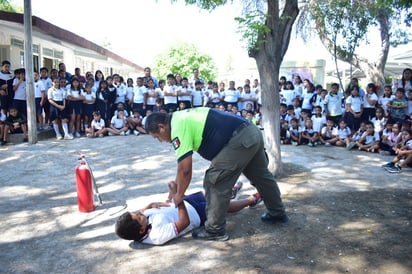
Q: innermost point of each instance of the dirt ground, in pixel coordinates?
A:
(347, 215)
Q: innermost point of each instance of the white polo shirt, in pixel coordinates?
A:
(355, 103)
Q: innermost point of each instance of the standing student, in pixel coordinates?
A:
(385, 99)
(89, 104)
(102, 101)
(75, 100)
(354, 109)
(369, 102)
(185, 93)
(333, 104)
(47, 83)
(39, 98)
(98, 77)
(19, 88)
(197, 95)
(170, 94)
(6, 87)
(151, 95)
(58, 113)
(231, 95)
(139, 95)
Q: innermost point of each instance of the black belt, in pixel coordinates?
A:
(239, 128)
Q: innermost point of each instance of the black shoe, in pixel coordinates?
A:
(2, 143)
(201, 234)
(267, 218)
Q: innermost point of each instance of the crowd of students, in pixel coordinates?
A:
(354, 118)
(95, 106)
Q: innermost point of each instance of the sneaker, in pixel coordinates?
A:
(294, 143)
(122, 133)
(201, 234)
(78, 135)
(2, 143)
(111, 134)
(235, 189)
(135, 132)
(88, 135)
(350, 145)
(101, 135)
(258, 199)
(68, 137)
(59, 137)
(310, 144)
(390, 164)
(327, 144)
(127, 132)
(267, 218)
(394, 169)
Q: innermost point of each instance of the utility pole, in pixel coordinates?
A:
(28, 61)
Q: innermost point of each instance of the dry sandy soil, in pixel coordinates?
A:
(347, 215)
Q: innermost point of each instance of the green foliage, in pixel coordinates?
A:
(205, 4)
(5, 5)
(183, 58)
(253, 28)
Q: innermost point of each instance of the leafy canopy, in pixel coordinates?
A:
(182, 59)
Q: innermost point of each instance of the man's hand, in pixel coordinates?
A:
(178, 199)
(172, 190)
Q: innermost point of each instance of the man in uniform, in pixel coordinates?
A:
(234, 146)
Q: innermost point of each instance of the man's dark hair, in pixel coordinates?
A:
(154, 119)
(127, 228)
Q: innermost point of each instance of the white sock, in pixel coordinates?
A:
(56, 128)
(65, 128)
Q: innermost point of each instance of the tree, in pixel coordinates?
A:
(183, 58)
(270, 23)
(343, 24)
(5, 5)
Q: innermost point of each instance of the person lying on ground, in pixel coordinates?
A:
(160, 222)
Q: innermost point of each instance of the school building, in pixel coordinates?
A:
(53, 45)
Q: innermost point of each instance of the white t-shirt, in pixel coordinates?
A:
(121, 92)
(20, 92)
(306, 104)
(378, 124)
(383, 102)
(197, 98)
(244, 95)
(89, 96)
(163, 221)
(342, 133)
(118, 122)
(56, 94)
(355, 103)
(231, 95)
(318, 122)
(215, 97)
(98, 124)
(170, 99)
(371, 96)
(38, 89)
(47, 83)
(287, 96)
(139, 94)
(151, 100)
(185, 97)
(333, 103)
(371, 138)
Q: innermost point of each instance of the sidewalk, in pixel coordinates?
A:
(43, 231)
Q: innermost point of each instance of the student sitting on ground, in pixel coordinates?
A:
(370, 139)
(390, 138)
(341, 135)
(295, 132)
(357, 135)
(403, 152)
(326, 133)
(158, 223)
(15, 123)
(118, 124)
(309, 135)
(97, 127)
(135, 123)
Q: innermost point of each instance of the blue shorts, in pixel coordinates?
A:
(198, 201)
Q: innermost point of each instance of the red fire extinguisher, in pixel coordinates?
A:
(84, 188)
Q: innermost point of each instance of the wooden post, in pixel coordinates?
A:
(28, 61)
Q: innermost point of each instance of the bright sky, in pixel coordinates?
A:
(139, 30)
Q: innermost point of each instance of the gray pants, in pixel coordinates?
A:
(243, 154)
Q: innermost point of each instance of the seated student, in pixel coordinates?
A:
(370, 139)
(390, 138)
(2, 119)
(158, 223)
(341, 135)
(15, 123)
(309, 135)
(97, 127)
(403, 152)
(379, 121)
(318, 119)
(251, 117)
(326, 133)
(290, 114)
(357, 135)
(284, 133)
(118, 124)
(295, 132)
(135, 123)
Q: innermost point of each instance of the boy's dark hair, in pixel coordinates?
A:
(185, 79)
(335, 85)
(127, 228)
(295, 119)
(400, 90)
(44, 69)
(170, 76)
(283, 105)
(162, 82)
(318, 107)
(369, 123)
(95, 113)
(5, 62)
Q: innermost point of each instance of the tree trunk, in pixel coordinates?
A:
(272, 47)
